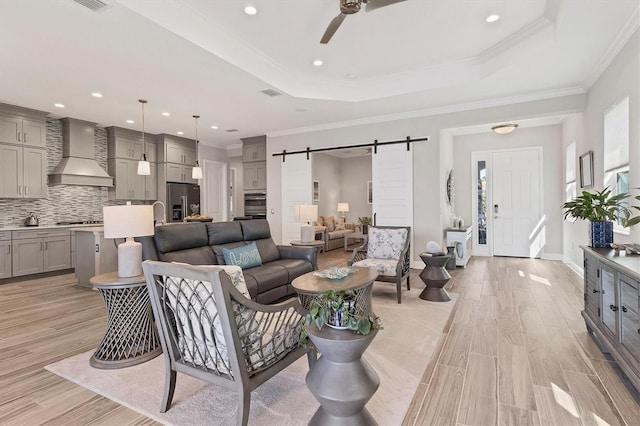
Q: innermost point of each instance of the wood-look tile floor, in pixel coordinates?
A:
(514, 352)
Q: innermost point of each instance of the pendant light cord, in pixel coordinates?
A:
(144, 147)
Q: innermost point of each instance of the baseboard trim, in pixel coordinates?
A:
(575, 268)
(552, 256)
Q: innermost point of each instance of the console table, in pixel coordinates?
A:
(341, 380)
(131, 337)
(611, 306)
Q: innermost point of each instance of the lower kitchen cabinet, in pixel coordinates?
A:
(5, 259)
(612, 306)
(39, 251)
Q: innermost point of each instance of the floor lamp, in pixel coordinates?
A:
(307, 213)
(127, 222)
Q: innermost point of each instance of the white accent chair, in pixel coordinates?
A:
(388, 251)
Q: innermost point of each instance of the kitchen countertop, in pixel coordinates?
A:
(94, 228)
(26, 228)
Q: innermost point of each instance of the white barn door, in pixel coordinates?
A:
(296, 178)
(392, 172)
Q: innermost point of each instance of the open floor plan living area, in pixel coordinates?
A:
(331, 212)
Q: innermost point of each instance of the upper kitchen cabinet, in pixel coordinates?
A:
(254, 149)
(179, 157)
(22, 126)
(24, 172)
(124, 150)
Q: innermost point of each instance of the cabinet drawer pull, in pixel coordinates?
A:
(595, 291)
(24, 137)
(26, 189)
(19, 136)
(40, 245)
(624, 309)
(613, 308)
(45, 245)
(20, 189)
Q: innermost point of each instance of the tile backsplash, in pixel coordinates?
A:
(63, 202)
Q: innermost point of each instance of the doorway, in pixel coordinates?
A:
(507, 203)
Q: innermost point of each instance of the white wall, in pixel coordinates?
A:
(550, 139)
(356, 171)
(428, 172)
(238, 205)
(446, 164)
(620, 79)
(327, 171)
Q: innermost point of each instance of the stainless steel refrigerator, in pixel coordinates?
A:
(180, 199)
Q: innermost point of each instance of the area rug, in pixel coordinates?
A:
(399, 354)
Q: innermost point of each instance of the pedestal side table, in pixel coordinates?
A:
(341, 380)
(434, 277)
(131, 336)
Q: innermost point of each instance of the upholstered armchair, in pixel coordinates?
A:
(388, 251)
(210, 329)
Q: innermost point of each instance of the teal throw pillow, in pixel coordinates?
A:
(246, 256)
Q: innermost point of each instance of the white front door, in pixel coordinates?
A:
(296, 176)
(392, 173)
(215, 194)
(516, 203)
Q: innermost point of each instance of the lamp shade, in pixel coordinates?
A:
(343, 207)
(306, 213)
(144, 167)
(127, 221)
(196, 172)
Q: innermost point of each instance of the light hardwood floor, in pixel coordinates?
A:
(515, 351)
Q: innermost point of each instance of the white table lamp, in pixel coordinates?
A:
(306, 213)
(127, 222)
(343, 208)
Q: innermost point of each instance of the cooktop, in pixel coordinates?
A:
(79, 222)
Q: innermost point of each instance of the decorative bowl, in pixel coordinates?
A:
(335, 273)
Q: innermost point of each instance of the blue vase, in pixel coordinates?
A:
(601, 234)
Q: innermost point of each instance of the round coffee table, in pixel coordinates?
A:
(434, 277)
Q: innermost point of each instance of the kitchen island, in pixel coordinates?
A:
(94, 254)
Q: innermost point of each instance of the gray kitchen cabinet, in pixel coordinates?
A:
(35, 251)
(23, 172)
(124, 149)
(255, 175)
(23, 131)
(254, 152)
(5, 254)
(180, 153)
(616, 323)
(179, 173)
(95, 255)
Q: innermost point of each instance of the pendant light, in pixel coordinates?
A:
(144, 168)
(196, 173)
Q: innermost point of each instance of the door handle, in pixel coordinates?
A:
(613, 308)
(595, 291)
(624, 309)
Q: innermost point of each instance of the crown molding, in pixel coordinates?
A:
(623, 36)
(548, 94)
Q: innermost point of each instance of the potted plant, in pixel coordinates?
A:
(337, 309)
(365, 222)
(601, 208)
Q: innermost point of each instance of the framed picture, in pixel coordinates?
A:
(316, 190)
(369, 192)
(586, 170)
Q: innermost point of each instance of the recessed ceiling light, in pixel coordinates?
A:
(214, 127)
(493, 17)
(166, 114)
(96, 94)
(180, 133)
(58, 105)
(250, 10)
(130, 121)
(318, 62)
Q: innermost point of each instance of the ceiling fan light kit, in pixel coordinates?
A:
(504, 129)
(349, 7)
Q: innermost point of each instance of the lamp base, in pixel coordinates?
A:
(306, 233)
(129, 259)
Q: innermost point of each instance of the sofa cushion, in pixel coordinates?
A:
(320, 221)
(385, 243)
(267, 276)
(255, 229)
(268, 250)
(246, 256)
(223, 232)
(294, 267)
(330, 223)
(180, 236)
(195, 256)
(339, 234)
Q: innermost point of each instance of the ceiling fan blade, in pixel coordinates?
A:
(377, 4)
(332, 28)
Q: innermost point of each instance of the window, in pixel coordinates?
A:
(616, 151)
(570, 172)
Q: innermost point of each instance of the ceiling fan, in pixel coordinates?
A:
(349, 7)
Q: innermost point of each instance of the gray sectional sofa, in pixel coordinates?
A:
(199, 243)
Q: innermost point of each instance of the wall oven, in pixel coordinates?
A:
(255, 205)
